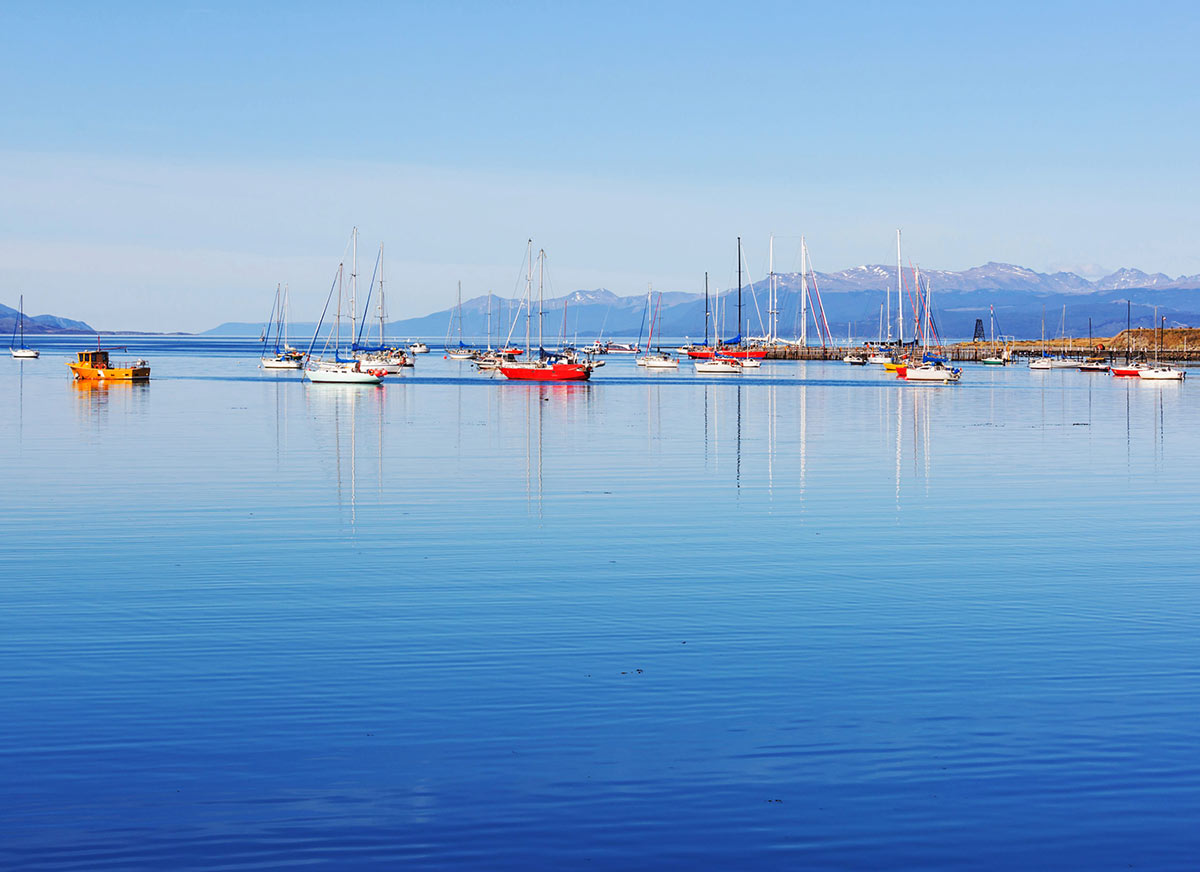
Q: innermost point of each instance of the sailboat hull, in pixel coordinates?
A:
(281, 363)
(340, 376)
(740, 353)
(24, 353)
(547, 372)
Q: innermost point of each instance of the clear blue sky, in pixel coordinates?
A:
(163, 165)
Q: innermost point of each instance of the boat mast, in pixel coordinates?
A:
(528, 291)
(460, 342)
(1128, 333)
(541, 283)
(706, 312)
(354, 288)
(381, 312)
(888, 319)
(283, 319)
(803, 293)
(771, 286)
(899, 289)
(489, 321)
(739, 252)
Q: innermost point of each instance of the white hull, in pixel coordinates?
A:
(419, 348)
(1161, 373)
(932, 374)
(344, 375)
(749, 363)
(652, 362)
(716, 366)
(24, 353)
(461, 355)
(286, 363)
(879, 358)
(1040, 363)
(1062, 363)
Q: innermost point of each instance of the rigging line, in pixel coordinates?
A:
(367, 305)
(761, 329)
(317, 333)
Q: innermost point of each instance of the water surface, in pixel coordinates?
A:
(809, 618)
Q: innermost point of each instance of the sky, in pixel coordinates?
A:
(163, 166)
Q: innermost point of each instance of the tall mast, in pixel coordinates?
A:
(354, 287)
(771, 285)
(803, 292)
(489, 322)
(541, 283)
(528, 291)
(739, 332)
(381, 311)
(706, 312)
(889, 315)
(899, 289)
(460, 342)
(337, 318)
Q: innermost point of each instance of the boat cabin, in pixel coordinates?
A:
(97, 359)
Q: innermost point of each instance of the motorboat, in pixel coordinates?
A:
(1162, 373)
(418, 348)
(715, 365)
(97, 365)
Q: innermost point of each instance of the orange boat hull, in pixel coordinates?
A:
(130, 373)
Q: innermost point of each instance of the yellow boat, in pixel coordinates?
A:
(893, 365)
(96, 365)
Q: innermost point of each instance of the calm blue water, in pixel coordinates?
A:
(814, 618)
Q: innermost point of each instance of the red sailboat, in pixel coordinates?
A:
(545, 366)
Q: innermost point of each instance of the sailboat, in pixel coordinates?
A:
(331, 367)
(732, 348)
(21, 352)
(282, 356)
(993, 359)
(546, 366)
(1160, 372)
(932, 369)
(656, 359)
(461, 351)
(1129, 369)
(717, 363)
(380, 356)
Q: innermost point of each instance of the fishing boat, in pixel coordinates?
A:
(22, 351)
(331, 367)
(282, 355)
(97, 365)
(545, 366)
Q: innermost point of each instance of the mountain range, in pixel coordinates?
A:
(40, 323)
(1020, 301)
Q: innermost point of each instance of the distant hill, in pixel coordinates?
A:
(35, 324)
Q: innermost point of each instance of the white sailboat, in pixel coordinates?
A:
(22, 351)
(379, 356)
(717, 365)
(283, 355)
(1160, 371)
(656, 359)
(930, 371)
(331, 368)
(461, 351)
